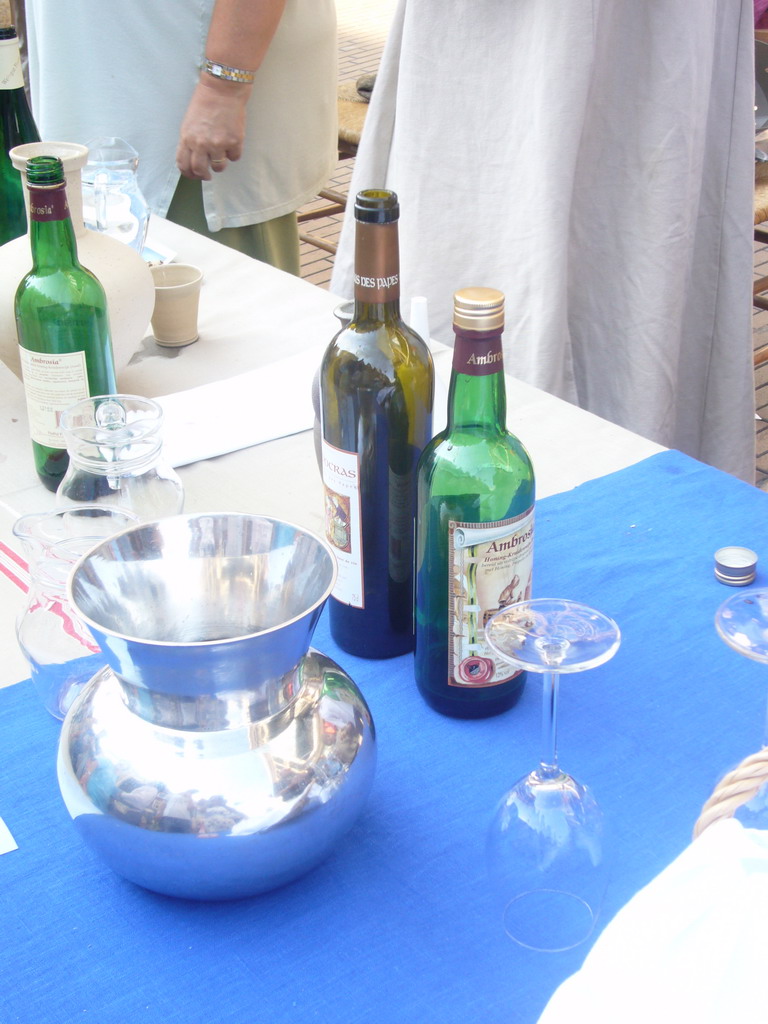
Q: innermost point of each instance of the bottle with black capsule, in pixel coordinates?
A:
(474, 529)
(376, 393)
(61, 321)
(17, 126)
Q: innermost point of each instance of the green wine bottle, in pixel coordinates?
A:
(61, 321)
(17, 126)
(376, 395)
(474, 529)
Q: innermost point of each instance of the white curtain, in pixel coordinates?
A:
(595, 161)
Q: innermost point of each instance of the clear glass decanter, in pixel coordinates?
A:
(115, 457)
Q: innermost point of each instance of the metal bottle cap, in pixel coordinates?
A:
(479, 309)
(735, 566)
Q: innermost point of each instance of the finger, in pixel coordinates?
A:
(186, 167)
(199, 165)
(218, 164)
(234, 150)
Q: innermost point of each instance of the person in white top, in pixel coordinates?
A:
(594, 160)
(236, 96)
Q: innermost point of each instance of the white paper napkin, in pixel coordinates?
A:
(271, 401)
(691, 946)
(226, 415)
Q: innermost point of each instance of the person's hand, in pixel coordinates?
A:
(213, 129)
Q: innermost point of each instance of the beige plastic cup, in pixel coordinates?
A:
(177, 298)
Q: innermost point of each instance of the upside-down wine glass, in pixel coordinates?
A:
(742, 622)
(545, 845)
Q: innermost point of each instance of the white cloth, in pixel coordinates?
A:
(691, 946)
(595, 161)
(128, 68)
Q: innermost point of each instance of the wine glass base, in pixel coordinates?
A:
(549, 920)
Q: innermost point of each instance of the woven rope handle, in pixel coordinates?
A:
(734, 789)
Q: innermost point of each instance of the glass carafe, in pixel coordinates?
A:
(115, 457)
(112, 200)
(61, 652)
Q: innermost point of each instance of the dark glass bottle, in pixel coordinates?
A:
(474, 529)
(17, 126)
(376, 390)
(61, 320)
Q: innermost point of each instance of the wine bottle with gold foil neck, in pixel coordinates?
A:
(376, 394)
(61, 321)
(474, 528)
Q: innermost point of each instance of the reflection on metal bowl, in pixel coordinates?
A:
(218, 755)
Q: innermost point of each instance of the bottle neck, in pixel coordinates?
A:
(477, 395)
(51, 234)
(377, 272)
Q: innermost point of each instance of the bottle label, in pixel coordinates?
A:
(490, 565)
(10, 65)
(377, 263)
(52, 382)
(478, 355)
(343, 521)
(48, 203)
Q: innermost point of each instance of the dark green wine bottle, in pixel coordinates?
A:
(61, 320)
(17, 126)
(376, 392)
(474, 529)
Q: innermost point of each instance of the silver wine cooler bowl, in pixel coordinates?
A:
(217, 755)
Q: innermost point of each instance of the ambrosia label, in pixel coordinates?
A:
(490, 566)
(53, 381)
(48, 203)
(478, 355)
(343, 521)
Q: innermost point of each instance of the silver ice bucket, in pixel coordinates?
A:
(218, 755)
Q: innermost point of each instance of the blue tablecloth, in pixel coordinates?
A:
(397, 926)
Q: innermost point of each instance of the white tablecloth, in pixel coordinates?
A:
(253, 317)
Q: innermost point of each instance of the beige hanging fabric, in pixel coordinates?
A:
(595, 162)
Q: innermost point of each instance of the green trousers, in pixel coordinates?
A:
(274, 241)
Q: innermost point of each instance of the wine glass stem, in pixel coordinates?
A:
(550, 692)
